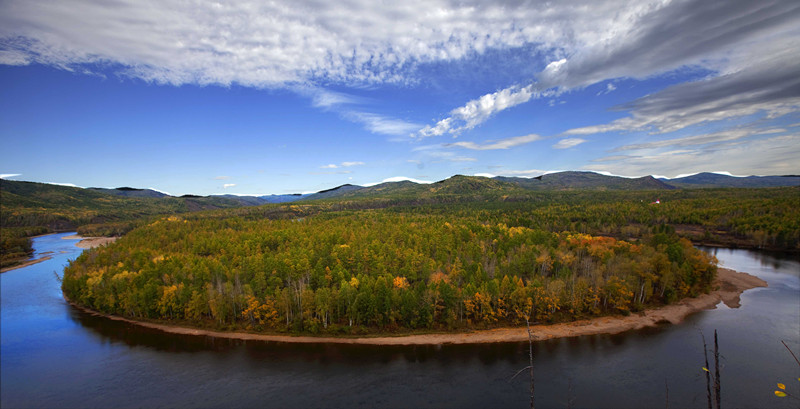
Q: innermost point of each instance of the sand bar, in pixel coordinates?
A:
(730, 285)
(90, 242)
(26, 263)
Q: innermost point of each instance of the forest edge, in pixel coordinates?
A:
(728, 287)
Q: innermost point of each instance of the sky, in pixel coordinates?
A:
(254, 97)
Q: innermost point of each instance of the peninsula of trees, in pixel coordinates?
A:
(383, 270)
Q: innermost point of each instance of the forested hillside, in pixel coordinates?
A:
(28, 208)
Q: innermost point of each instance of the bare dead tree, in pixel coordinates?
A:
(708, 373)
(530, 357)
(716, 371)
(570, 399)
(715, 376)
(790, 351)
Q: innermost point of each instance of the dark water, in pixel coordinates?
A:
(55, 356)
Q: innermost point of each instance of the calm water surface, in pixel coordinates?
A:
(52, 355)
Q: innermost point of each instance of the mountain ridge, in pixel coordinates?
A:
(716, 180)
(559, 181)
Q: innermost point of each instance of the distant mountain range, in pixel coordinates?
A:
(586, 181)
(711, 180)
(464, 185)
(130, 192)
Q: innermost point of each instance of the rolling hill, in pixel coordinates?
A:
(586, 181)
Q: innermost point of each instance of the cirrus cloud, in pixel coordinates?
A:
(499, 144)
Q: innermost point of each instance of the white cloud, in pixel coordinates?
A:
(609, 88)
(748, 48)
(529, 173)
(382, 124)
(763, 88)
(436, 154)
(342, 165)
(266, 44)
(9, 175)
(776, 155)
(338, 172)
(62, 184)
(348, 164)
(479, 110)
(227, 185)
(726, 135)
(612, 158)
(321, 98)
(499, 144)
(567, 143)
(13, 57)
(398, 179)
(160, 191)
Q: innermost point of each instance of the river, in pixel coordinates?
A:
(52, 355)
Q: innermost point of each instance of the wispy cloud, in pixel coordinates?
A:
(227, 185)
(438, 153)
(9, 175)
(766, 87)
(609, 88)
(342, 165)
(348, 164)
(479, 110)
(498, 144)
(222, 178)
(776, 155)
(356, 109)
(382, 124)
(612, 158)
(338, 172)
(727, 135)
(321, 98)
(528, 173)
(748, 48)
(567, 143)
(398, 179)
(254, 43)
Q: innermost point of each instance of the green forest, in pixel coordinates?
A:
(28, 209)
(349, 272)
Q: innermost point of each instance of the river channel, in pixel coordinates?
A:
(53, 355)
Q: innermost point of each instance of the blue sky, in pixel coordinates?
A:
(255, 98)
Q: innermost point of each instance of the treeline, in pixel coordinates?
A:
(28, 208)
(767, 218)
(16, 244)
(352, 271)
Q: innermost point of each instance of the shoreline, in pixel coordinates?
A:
(89, 242)
(729, 287)
(84, 243)
(25, 263)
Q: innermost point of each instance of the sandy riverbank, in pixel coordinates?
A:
(25, 264)
(730, 285)
(90, 242)
(84, 243)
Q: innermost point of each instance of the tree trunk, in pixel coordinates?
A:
(716, 371)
